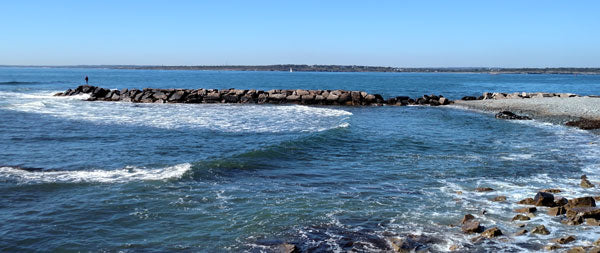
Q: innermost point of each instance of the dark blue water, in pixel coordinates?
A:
(229, 178)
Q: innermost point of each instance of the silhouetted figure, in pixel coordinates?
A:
(86, 80)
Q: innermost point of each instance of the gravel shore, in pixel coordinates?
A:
(554, 107)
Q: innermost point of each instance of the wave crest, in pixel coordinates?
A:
(124, 175)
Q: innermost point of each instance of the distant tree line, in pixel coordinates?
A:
(349, 68)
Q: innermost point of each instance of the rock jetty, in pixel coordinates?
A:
(304, 97)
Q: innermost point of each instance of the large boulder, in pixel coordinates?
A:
(492, 232)
(544, 199)
(472, 226)
(581, 202)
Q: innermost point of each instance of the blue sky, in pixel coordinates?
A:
(386, 33)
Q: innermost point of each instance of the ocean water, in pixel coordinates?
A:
(228, 178)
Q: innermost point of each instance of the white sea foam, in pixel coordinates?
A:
(216, 117)
(124, 175)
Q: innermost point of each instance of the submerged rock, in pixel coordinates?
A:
(520, 217)
(510, 115)
(499, 199)
(564, 240)
(483, 189)
(541, 229)
(585, 124)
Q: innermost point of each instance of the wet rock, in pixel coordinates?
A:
(511, 116)
(584, 212)
(499, 199)
(564, 240)
(556, 211)
(521, 232)
(544, 199)
(466, 218)
(177, 96)
(585, 124)
(585, 183)
(581, 202)
(572, 221)
(551, 190)
(472, 226)
(468, 98)
(552, 247)
(492, 232)
(444, 101)
(406, 244)
(527, 201)
(541, 229)
(560, 201)
(526, 210)
(578, 249)
(483, 189)
(592, 222)
(520, 217)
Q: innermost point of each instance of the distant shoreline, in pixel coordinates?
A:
(340, 68)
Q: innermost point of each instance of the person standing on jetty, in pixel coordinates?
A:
(86, 79)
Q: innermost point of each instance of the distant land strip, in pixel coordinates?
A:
(340, 68)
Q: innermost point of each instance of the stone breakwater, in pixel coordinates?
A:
(304, 97)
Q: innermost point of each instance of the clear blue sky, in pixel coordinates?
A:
(387, 33)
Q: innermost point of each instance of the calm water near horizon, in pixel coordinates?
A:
(226, 178)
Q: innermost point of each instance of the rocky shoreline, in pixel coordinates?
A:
(559, 108)
(299, 96)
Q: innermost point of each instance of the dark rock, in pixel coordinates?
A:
(544, 199)
(177, 96)
(526, 210)
(583, 212)
(293, 98)
(483, 189)
(230, 98)
(471, 226)
(581, 202)
(592, 222)
(585, 124)
(556, 211)
(527, 201)
(521, 232)
(520, 217)
(492, 232)
(499, 198)
(585, 183)
(560, 201)
(541, 229)
(510, 115)
(466, 218)
(577, 249)
(564, 240)
(467, 98)
(551, 190)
